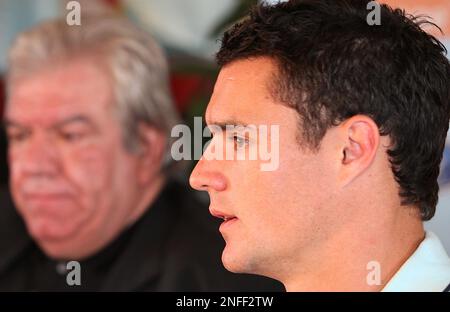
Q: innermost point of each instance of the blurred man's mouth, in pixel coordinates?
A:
(51, 220)
(46, 201)
(46, 197)
(53, 210)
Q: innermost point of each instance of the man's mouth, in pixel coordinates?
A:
(228, 219)
(46, 197)
(56, 206)
(221, 215)
(225, 219)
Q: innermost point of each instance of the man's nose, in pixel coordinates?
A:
(205, 178)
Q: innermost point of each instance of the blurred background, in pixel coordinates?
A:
(189, 32)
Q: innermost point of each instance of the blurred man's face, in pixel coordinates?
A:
(272, 217)
(71, 178)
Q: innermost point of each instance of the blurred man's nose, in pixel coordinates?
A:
(40, 157)
(205, 177)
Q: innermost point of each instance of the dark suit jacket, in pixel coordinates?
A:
(175, 246)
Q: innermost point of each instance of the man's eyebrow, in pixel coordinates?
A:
(6, 122)
(229, 123)
(73, 119)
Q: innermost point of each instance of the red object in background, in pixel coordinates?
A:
(113, 3)
(185, 88)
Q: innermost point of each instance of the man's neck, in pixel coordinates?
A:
(147, 198)
(361, 257)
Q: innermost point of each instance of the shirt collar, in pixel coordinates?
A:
(428, 269)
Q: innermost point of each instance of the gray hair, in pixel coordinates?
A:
(134, 60)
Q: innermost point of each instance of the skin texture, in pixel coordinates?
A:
(317, 221)
(72, 180)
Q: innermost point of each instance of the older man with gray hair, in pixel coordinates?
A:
(88, 120)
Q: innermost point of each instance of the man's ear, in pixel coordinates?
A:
(360, 140)
(151, 152)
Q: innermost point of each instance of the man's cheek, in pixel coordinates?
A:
(16, 163)
(15, 170)
(16, 176)
(89, 168)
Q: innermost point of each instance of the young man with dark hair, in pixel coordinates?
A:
(363, 112)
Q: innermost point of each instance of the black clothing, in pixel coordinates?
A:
(174, 246)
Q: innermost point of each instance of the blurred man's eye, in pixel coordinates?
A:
(74, 129)
(73, 133)
(17, 136)
(72, 136)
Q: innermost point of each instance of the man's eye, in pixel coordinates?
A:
(239, 141)
(16, 137)
(72, 136)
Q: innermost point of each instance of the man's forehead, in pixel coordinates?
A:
(65, 79)
(241, 92)
(59, 93)
(257, 69)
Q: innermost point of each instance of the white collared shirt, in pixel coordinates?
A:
(428, 269)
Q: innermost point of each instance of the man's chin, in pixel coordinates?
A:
(242, 261)
(63, 249)
(52, 232)
(63, 242)
(232, 261)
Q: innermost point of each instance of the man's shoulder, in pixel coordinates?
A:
(11, 224)
(14, 238)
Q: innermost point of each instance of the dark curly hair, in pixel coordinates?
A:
(333, 65)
